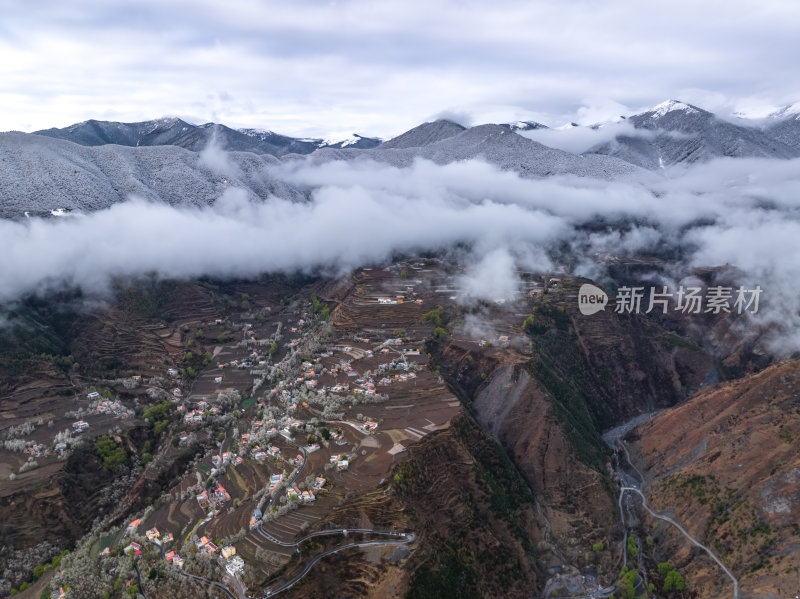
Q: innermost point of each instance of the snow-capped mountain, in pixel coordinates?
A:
(176, 132)
(676, 132)
(525, 126)
(444, 142)
(94, 164)
(39, 174)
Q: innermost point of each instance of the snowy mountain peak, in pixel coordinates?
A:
(790, 111)
(672, 106)
(525, 126)
(341, 140)
(261, 134)
(346, 140)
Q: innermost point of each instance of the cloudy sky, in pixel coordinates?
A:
(319, 68)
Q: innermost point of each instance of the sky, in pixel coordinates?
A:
(310, 68)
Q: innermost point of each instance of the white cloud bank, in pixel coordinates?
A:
(744, 213)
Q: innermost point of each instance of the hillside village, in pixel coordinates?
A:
(292, 414)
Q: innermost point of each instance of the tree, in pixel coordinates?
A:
(111, 454)
(528, 323)
(435, 316)
(674, 581)
(664, 568)
(160, 427)
(627, 582)
(633, 550)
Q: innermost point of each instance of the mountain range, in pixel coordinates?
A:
(94, 164)
(176, 132)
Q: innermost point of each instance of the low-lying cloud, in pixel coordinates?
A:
(580, 139)
(743, 213)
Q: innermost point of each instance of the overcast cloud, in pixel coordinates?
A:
(379, 68)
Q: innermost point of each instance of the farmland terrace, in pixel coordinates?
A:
(186, 407)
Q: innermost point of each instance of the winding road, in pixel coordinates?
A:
(139, 580)
(403, 538)
(185, 574)
(630, 484)
(619, 443)
(687, 535)
(208, 582)
(297, 577)
(337, 531)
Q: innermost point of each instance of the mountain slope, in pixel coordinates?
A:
(494, 143)
(726, 465)
(38, 174)
(784, 126)
(674, 132)
(424, 135)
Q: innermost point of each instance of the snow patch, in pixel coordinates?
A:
(671, 106)
(790, 111)
(347, 140)
(260, 134)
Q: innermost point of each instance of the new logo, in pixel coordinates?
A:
(591, 299)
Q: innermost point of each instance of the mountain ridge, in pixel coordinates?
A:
(177, 132)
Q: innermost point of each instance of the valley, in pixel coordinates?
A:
(292, 435)
(250, 365)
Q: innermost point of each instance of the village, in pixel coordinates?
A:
(293, 414)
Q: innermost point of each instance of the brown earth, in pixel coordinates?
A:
(490, 519)
(726, 464)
